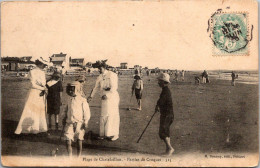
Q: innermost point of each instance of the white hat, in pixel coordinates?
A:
(164, 77)
(43, 61)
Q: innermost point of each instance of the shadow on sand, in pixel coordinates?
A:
(8, 128)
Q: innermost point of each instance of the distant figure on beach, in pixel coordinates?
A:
(176, 75)
(182, 75)
(205, 77)
(197, 80)
(138, 87)
(148, 72)
(63, 72)
(233, 76)
(107, 81)
(55, 90)
(165, 107)
(33, 119)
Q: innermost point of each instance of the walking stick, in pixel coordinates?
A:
(146, 127)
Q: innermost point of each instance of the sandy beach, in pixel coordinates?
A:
(209, 118)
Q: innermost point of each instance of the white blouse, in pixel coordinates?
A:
(38, 79)
(107, 80)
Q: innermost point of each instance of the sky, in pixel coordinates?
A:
(170, 34)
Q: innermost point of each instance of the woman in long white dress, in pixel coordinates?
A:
(33, 118)
(107, 81)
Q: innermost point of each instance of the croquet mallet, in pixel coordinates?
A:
(146, 127)
(129, 109)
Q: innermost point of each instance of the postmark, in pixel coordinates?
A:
(230, 33)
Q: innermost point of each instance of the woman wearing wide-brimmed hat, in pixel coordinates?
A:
(107, 81)
(33, 118)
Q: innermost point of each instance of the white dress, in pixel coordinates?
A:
(33, 119)
(109, 118)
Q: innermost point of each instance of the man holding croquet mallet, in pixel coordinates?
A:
(165, 107)
(77, 117)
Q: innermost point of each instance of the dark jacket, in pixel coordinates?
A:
(165, 102)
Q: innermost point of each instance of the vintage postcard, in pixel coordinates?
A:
(130, 83)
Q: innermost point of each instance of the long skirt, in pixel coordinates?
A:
(33, 119)
(110, 119)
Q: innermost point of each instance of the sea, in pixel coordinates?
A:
(243, 77)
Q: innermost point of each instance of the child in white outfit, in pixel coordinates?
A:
(78, 115)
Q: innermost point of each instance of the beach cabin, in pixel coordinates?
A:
(60, 60)
(123, 65)
(77, 62)
(16, 63)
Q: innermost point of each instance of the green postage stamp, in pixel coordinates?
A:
(230, 33)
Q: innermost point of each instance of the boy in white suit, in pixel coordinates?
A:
(77, 117)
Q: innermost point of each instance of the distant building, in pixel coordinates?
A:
(16, 63)
(77, 62)
(123, 65)
(60, 60)
(26, 58)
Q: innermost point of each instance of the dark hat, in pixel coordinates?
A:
(100, 64)
(56, 74)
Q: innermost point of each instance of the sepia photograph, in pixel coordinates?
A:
(169, 83)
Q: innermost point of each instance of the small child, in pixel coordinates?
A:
(138, 87)
(54, 98)
(77, 117)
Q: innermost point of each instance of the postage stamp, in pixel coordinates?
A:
(230, 33)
